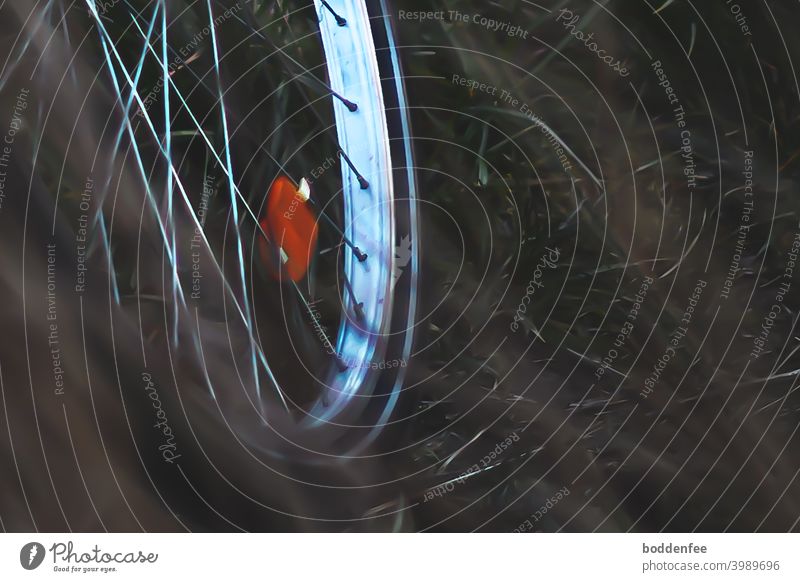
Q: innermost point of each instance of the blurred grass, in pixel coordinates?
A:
(609, 235)
(493, 196)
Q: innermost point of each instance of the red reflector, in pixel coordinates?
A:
(292, 228)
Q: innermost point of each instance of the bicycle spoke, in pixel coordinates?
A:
(361, 256)
(106, 45)
(339, 20)
(352, 107)
(232, 189)
(361, 180)
(361, 141)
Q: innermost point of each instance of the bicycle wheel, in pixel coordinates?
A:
(363, 64)
(369, 220)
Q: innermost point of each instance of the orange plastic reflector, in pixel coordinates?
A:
(292, 231)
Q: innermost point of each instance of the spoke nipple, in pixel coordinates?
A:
(360, 255)
(352, 107)
(361, 180)
(339, 20)
(359, 309)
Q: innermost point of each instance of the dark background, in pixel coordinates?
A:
(713, 447)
